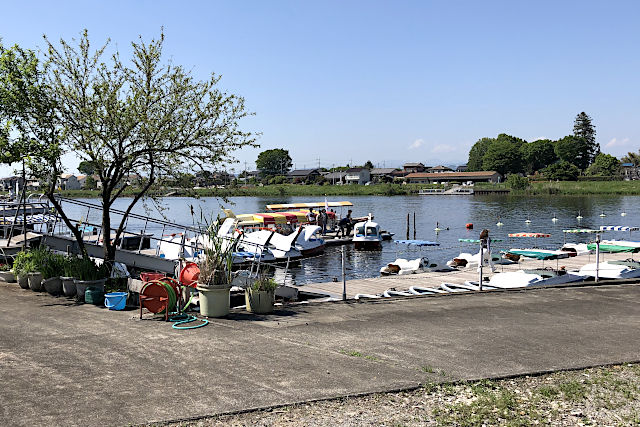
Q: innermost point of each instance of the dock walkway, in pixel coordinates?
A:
(377, 285)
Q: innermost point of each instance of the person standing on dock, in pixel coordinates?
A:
(311, 217)
(345, 225)
(322, 220)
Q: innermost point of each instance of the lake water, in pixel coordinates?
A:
(449, 211)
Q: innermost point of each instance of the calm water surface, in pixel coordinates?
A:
(449, 211)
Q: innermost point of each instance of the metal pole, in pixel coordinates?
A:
(24, 206)
(414, 225)
(480, 265)
(597, 257)
(407, 226)
(344, 277)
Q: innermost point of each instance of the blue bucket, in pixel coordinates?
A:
(115, 300)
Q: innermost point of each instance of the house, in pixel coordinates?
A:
(438, 169)
(33, 184)
(461, 168)
(82, 180)
(303, 175)
(358, 176)
(446, 177)
(629, 171)
(10, 183)
(382, 174)
(335, 178)
(67, 181)
(413, 167)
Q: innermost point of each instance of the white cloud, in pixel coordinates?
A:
(443, 148)
(416, 144)
(613, 142)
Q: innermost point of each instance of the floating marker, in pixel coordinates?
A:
(602, 215)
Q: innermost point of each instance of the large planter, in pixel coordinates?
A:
(214, 300)
(82, 285)
(7, 276)
(68, 286)
(53, 285)
(35, 281)
(23, 281)
(259, 302)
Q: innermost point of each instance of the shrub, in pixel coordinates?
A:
(517, 182)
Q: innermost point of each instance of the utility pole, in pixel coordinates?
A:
(318, 162)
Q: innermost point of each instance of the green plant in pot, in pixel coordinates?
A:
(39, 258)
(260, 296)
(51, 270)
(21, 267)
(214, 281)
(67, 279)
(6, 274)
(88, 275)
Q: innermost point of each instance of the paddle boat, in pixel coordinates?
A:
(468, 260)
(402, 266)
(421, 290)
(367, 235)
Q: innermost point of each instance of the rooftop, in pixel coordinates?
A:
(445, 175)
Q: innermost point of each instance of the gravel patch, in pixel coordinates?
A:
(606, 396)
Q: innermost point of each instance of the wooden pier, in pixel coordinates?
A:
(377, 285)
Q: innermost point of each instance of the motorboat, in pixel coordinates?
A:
(367, 235)
(467, 260)
(575, 249)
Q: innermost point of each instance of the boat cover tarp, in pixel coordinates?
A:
(529, 235)
(307, 205)
(617, 228)
(540, 254)
(616, 246)
(418, 242)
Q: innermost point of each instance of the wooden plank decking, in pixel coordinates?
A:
(377, 285)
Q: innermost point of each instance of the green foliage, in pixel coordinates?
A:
(267, 284)
(274, 162)
(368, 164)
(537, 155)
(90, 183)
(476, 154)
(584, 129)
(604, 165)
(573, 150)
(40, 259)
(561, 171)
(503, 156)
(22, 263)
(216, 267)
(517, 182)
(87, 168)
(85, 269)
(631, 158)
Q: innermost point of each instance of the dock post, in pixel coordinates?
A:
(414, 225)
(597, 258)
(407, 226)
(480, 264)
(344, 277)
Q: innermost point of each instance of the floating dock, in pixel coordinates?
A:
(377, 285)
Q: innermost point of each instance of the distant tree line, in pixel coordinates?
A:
(564, 159)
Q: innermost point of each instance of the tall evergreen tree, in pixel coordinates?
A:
(583, 128)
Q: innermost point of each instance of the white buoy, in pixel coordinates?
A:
(579, 217)
(437, 227)
(623, 214)
(554, 219)
(499, 223)
(602, 215)
(528, 221)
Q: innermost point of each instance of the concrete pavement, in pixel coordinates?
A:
(68, 364)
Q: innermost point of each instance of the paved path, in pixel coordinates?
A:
(64, 364)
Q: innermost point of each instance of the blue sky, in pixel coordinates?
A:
(350, 81)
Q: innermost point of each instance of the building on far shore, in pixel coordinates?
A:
(447, 177)
(335, 178)
(382, 174)
(358, 176)
(461, 168)
(629, 171)
(303, 175)
(413, 167)
(67, 181)
(439, 169)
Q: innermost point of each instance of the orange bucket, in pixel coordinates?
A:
(189, 274)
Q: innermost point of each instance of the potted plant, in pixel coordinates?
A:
(68, 285)
(39, 257)
(260, 296)
(21, 266)
(51, 270)
(6, 274)
(88, 275)
(214, 281)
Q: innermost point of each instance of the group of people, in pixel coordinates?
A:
(345, 224)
